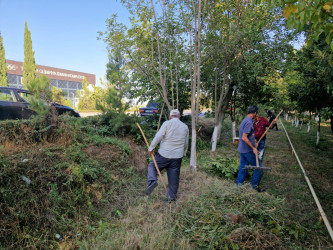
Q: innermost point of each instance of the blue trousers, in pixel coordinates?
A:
(248, 159)
(172, 167)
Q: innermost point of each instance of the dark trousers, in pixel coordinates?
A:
(172, 167)
(275, 125)
(248, 159)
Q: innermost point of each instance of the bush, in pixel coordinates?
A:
(222, 167)
(61, 187)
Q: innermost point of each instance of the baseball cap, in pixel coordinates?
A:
(174, 112)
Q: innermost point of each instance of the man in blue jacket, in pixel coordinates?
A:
(248, 150)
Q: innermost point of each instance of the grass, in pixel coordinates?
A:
(102, 205)
(316, 160)
(283, 217)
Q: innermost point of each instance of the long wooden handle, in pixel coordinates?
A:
(277, 117)
(159, 120)
(257, 160)
(155, 163)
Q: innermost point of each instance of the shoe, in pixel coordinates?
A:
(260, 190)
(167, 200)
(150, 188)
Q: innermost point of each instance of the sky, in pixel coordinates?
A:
(63, 32)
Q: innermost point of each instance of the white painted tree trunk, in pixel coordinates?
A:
(286, 117)
(233, 131)
(308, 127)
(296, 123)
(318, 131)
(219, 129)
(300, 127)
(318, 136)
(193, 158)
(292, 123)
(215, 136)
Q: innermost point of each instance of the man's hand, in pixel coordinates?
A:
(151, 152)
(257, 144)
(255, 151)
(274, 121)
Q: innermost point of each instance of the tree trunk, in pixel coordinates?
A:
(195, 79)
(220, 117)
(193, 158)
(309, 126)
(318, 132)
(221, 121)
(162, 79)
(217, 128)
(177, 86)
(233, 131)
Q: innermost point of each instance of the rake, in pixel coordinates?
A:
(152, 155)
(257, 167)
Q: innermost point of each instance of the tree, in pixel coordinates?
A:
(41, 99)
(90, 97)
(248, 43)
(197, 17)
(310, 86)
(151, 51)
(59, 97)
(111, 101)
(3, 65)
(86, 99)
(312, 16)
(29, 65)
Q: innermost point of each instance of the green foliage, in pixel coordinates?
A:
(207, 221)
(90, 96)
(310, 78)
(143, 49)
(29, 65)
(326, 113)
(222, 167)
(41, 98)
(3, 65)
(111, 102)
(70, 185)
(59, 97)
(312, 16)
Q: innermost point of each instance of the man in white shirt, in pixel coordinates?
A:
(173, 136)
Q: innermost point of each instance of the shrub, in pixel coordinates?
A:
(222, 167)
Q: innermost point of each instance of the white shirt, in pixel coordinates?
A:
(173, 136)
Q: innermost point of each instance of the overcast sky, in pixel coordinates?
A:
(63, 32)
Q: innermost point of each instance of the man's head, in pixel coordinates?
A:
(266, 110)
(174, 113)
(252, 111)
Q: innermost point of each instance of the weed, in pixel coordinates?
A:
(222, 167)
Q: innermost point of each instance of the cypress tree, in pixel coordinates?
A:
(29, 65)
(3, 65)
